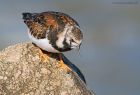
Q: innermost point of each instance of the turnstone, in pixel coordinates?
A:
(54, 32)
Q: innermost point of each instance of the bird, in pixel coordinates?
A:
(54, 32)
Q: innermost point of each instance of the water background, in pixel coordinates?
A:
(110, 54)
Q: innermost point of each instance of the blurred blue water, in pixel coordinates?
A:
(110, 53)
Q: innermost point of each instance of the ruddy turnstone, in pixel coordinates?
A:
(54, 32)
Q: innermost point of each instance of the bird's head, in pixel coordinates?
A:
(74, 37)
(70, 38)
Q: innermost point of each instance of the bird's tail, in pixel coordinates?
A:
(28, 16)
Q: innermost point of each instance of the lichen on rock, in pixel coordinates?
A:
(23, 72)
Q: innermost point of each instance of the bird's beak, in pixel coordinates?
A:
(79, 47)
(76, 47)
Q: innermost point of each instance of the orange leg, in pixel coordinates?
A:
(63, 65)
(45, 57)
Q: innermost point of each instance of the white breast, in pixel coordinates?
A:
(43, 44)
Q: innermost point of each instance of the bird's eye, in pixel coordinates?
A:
(72, 40)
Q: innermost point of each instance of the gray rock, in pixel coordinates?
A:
(23, 71)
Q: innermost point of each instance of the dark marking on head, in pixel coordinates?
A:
(52, 36)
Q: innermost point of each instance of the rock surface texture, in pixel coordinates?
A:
(23, 71)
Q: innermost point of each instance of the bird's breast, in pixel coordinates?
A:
(43, 44)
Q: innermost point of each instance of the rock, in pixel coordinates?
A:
(23, 71)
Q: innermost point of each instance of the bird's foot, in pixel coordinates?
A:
(63, 65)
(45, 57)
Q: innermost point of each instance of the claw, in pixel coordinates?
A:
(45, 57)
(63, 65)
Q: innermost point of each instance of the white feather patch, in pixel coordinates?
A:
(43, 44)
(61, 36)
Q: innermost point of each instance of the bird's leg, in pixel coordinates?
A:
(63, 65)
(45, 57)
